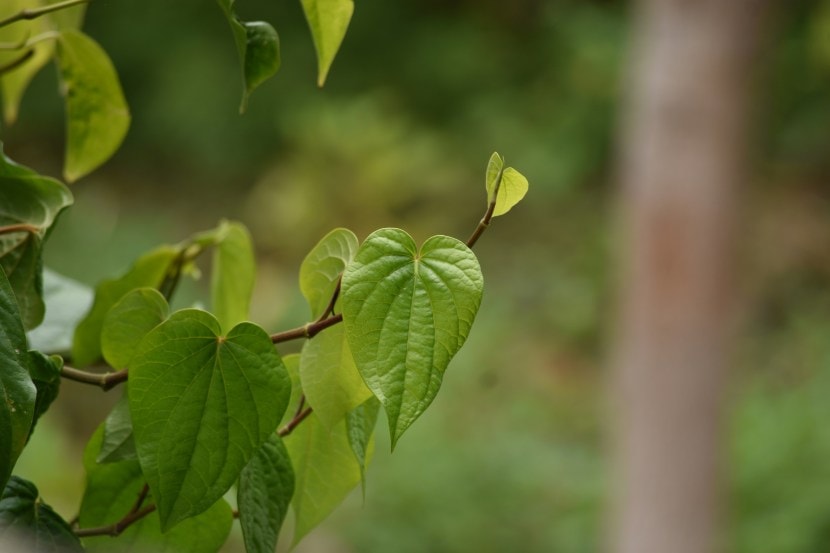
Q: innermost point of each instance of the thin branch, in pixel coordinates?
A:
(293, 423)
(117, 528)
(33, 13)
(106, 381)
(330, 307)
(19, 227)
(306, 331)
(17, 62)
(482, 225)
(142, 495)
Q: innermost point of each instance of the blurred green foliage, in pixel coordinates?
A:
(512, 455)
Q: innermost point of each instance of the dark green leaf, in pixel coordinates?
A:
(17, 390)
(149, 270)
(112, 490)
(360, 427)
(328, 21)
(46, 375)
(128, 321)
(234, 270)
(266, 486)
(32, 202)
(118, 443)
(67, 301)
(96, 112)
(407, 312)
(29, 524)
(202, 404)
(322, 267)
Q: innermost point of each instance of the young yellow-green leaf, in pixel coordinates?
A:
(265, 489)
(111, 491)
(325, 471)
(234, 269)
(407, 312)
(128, 321)
(46, 375)
(329, 377)
(29, 524)
(328, 21)
(360, 427)
(17, 391)
(493, 176)
(96, 111)
(67, 301)
(150, 270)
(30, 203)
(321, 269)
(13, 83)
(118, 443)
(258, 46)
(511, 191)
(202, 404)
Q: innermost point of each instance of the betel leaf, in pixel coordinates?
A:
(96, 111)
(67, 301)
(13, 84)
(29, 205)
(29, 524)
(112, 490)
(321, 269)
(325, 471)
(234, 270)
(360, 427)
(407, 312)
(117, 443)
(149, 270)
(258, 46)
(266, 486)
(128, 321)
(507, 186)
(329, 377)
(202, 404)
(17, 391)
(328, 21)
(46, 375)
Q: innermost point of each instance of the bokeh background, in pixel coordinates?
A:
(512, 456)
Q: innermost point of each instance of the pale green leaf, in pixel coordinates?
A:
(321, 269)
(202, 404)
(325, 471)
(329, 377)
(32, 203)
(265, 489)
(17, 391)
(407, 312)
(67, 301)
(150, 270)
(111, 491)
(493, 176)
(360, 427)
(96, 111)
(128, 321)
(234, 270)
(328, 21)
(27, 523)
(513, 188)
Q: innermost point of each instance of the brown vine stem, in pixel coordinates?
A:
(33, 13)
(116, 529)
(306, 331)
(106, 381)
(20, 227)
(293, 423)
(482, 225)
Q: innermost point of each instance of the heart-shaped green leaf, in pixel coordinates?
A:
(234, 270)
(150, 270)
(506, 186)
(29, 205)
(202, 404)
(67, 301)
(96, 111)
(328, 21)
(360, 427)
(325, 471)
(17, 391)
(118, 443)
(265, 489)
(407, 312)
(46, 375)
(321, 269)
(128, 321)
(111, 491)
(29, 524)
(258, 46)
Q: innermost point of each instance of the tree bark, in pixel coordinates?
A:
(683, 142)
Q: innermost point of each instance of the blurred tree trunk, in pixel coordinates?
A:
(684, 136)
